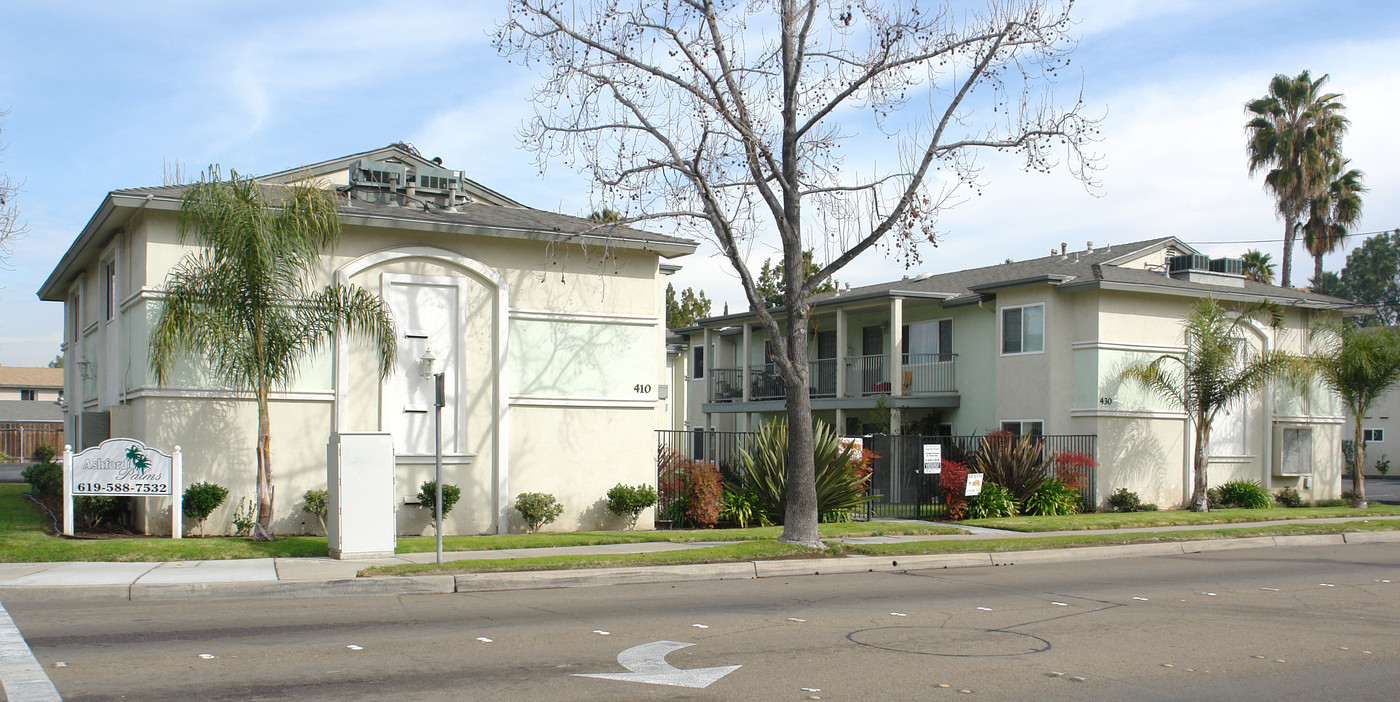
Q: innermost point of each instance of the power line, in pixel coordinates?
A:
(1280, 241)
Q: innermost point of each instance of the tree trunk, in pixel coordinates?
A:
(801, 516)
(1358, 459)
(1317, 272)
(1199, 500)
(1290, 222)
(262, 531)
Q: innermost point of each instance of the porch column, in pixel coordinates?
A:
(708, 366)
(840, 352)
(744, 366)
(896, 346)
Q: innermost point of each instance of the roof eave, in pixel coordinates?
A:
(1347, 309)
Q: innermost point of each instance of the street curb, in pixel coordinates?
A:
(293, 589)
(76, 593)
(1086, 553)
(545, 579)
(1372, 537)
(869, 564)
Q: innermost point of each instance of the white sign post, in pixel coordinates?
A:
(974, 484)
(933, 459)
(123, 468)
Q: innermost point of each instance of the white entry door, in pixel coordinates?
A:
(426, 310)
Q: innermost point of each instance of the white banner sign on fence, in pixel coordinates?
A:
(974, 484)
(933, 459)
(122, 468)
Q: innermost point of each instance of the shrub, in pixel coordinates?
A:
(44, 453)
(1073, 469)
(1016, 463)
(245, 517)
(4, 457)
(701, 491)
(952, 481)
(994, 502)
(1147, 507)
(1245, 494)
(1288, 497)
(538, 508)
(741, 506)
(45, 479)
(1125, 500)
(843, 472)
(1343, 502)
(628, 501)
(1052, 498)
(427, 497)
(314, 503)
(1213, 498)
(201, 499)
(95, 511)
(1383, 464)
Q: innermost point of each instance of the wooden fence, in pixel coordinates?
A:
(19, 440)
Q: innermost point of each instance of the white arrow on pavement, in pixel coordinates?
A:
(647, 664)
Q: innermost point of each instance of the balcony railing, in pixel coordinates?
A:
(868, 375)
(930, 372)
(822, 377)
(865, 375)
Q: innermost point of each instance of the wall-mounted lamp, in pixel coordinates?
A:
(425, 363)
(85, 370)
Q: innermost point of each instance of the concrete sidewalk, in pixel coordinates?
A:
(324, 577)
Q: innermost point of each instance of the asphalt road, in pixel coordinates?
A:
(1256, 624)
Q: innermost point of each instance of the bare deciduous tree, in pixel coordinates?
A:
(743, 120)
(11, 228)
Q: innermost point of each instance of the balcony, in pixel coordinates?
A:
(866, 376)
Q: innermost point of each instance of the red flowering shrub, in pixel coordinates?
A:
(953, 482)
(1072, 468)
(702, 491)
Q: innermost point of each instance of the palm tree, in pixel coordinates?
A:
(1332, 213)
(1217, 369)
(1360, 366)
(1293, 133)
(244, 302)
(1258, 266)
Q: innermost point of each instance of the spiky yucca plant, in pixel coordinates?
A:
(840, 486)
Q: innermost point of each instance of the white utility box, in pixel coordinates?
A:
(360, 495)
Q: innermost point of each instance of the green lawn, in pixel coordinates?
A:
(24, 537)
(1128, 520)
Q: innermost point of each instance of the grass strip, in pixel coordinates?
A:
(426, 544)
(772, 550)
(1129, 520)
(725, 553)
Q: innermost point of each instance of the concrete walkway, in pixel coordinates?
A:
(320, 577)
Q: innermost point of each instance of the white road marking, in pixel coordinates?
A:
(483, 639)
(646, 663)
(600, 632)
(21, 675)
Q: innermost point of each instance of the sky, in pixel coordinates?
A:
(103, 96)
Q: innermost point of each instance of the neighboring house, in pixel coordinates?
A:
(1381, 430)
(1037, 347)
(30, 415)
(549, 328)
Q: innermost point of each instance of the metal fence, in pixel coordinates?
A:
(19, 441)
(903, 490)
(900, 487)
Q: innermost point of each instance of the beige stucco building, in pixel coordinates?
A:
(1038, 347)
(549, 328)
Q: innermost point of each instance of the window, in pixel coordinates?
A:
(27, 395)
(110, 271)
(76, 316)
(1023, 329)
(697, 370)
(1024, 427)
(1372, 435)
(922, 342)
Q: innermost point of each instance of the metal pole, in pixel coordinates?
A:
(437, 474)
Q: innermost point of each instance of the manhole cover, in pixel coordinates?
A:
(957, 642)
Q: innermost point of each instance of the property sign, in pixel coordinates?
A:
(857, 448)
(125, 468)
(933, 458)
(974, 484)
(122, 467)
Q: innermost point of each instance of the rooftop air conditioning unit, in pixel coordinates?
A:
(431, 178)
(366, 172)
(1188, 262)
(1228, 266)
